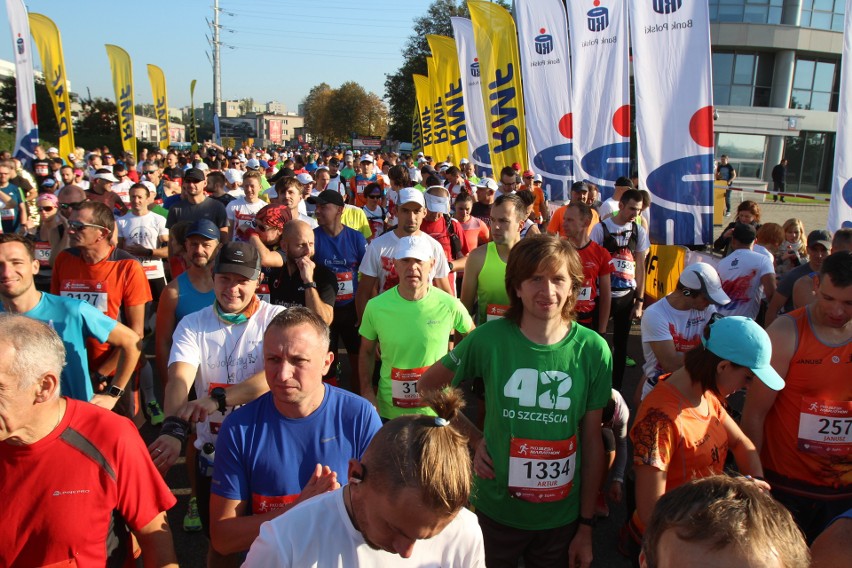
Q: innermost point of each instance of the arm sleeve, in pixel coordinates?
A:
(654, 326)
(367, 329)
(644, 242)
(96, 324)
(597, 234)
(142, 493)
(370, 263)
(654, 437)
(185, 348)
(600, 389)
(137, 290)
(229, 212)
(229, 477)
(463, 321)
(442, 267)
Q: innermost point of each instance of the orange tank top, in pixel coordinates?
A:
(807, 441)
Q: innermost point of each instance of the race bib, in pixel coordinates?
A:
(153, 269)
(404, 387)
(345, 286)
(585, 294)
(90, 291)
(624, 268)
(541, 471)
(42, 254)
(495, 312)
(825, 427)
(264, 503)
(262, 292)
(7, 214)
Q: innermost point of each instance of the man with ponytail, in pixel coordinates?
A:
(410, 485)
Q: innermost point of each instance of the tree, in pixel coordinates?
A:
(332, 115)
(99, 116)
(48, 127)
(246, 106)
(399, 86)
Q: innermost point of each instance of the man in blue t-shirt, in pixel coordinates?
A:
(13, 208)
(340, 249)
(74, 321)
(291, 443)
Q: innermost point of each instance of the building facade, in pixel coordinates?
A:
(776, 78)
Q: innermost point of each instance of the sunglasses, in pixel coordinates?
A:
(261, 227)
(528, 177)
(78, 226)
(47, 208)
(71, 205)
(374, 196)
(149, 172)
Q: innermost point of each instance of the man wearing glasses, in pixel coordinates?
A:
(111, 280)
(508, 181)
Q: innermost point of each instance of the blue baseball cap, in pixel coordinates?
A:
(740, 340)
(204, 228)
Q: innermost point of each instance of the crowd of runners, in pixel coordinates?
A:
(481, 417)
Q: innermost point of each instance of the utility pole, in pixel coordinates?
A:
(217, 62)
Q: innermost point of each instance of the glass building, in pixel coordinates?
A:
(776, 77)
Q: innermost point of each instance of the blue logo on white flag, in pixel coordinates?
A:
(474, 69)
(543, 43)
(597, 19)
(667, 6)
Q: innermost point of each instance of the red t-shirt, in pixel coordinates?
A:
(476, 232)
(596, 264)
(437, 229)
(57, 496)
(115, 282)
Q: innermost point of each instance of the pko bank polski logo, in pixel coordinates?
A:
(597, 19)
(543, 42)
(667, 6)
(474, 68)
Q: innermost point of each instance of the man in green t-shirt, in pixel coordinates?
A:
(412, 322)
(538, 463)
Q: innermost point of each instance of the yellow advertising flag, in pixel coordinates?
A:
(49, 43)
(122, 82)
(448, 78)
(440, 132)
(424, 107)
(161, 103)
(502, 94)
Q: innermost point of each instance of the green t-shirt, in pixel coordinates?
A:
(535, 396)
(412, 336)
(347, 173)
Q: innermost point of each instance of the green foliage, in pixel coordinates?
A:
(332, 115)
(47, 125)
(399, 86)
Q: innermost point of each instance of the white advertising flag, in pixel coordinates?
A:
(840, 210)
(543, 45)
(26, 138)
(477, 131)
(674, 116)
(601, 96)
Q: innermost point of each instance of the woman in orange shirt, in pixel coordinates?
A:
(682, 431)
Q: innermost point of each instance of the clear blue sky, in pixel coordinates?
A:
(280, 48)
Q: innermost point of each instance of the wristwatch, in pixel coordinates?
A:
(588, 521)
(114, 391)
(218, 394)
(310, 285)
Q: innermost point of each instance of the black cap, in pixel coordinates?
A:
(744, 233)
(238, 258)
(327, 196)
(194, 174)
(624, 182)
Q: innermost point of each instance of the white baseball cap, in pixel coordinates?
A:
(464, 161)
(487, 183)
(234, 175)
(411, 195)
(704, 278)
(367, 158)
(253, 164)
(304, 178)
(413, 247)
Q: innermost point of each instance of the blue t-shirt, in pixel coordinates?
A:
(11, 215)
(74, 321)
(342, 255)
(266, 459)
(190, 300)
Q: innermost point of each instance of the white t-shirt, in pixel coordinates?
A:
(740, 273)
(144, 230)
(241, 215)
(764, 251)
(378, 260)
(224, 355)
(122, 189)
(662, 322)
(307, 219)
(337, 184)
(624, 272)
(608, 207)
(318, 533)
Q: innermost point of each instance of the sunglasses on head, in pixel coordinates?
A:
(73, 205)
(77, 226)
